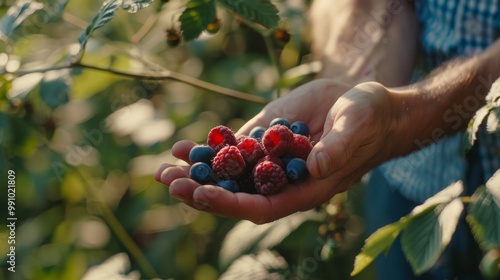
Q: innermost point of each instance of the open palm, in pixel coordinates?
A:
(349, 127)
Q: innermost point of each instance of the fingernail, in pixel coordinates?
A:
(201, 204)
(323, 163)
(203, 195)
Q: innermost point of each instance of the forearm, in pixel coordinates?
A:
(444, 103)
(359, 41)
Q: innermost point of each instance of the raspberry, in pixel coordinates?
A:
(277, 140)
(229, 163)
(300, 127)
(202, 173)
(250, 149)
(281, 121)
(201, 153)
(273, 159)
(269, 178)
(296, 169)
(301, 146)
(221, 136)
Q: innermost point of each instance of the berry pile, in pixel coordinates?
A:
(262, 162)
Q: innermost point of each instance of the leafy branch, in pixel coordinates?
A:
(428, 229)
(157, 76)
(260, 15)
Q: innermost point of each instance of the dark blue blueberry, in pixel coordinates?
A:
(201, 153)
(296, 169)
(202, 173)
(230, 185)
(257, 132)
(281, 121)
(300, 127)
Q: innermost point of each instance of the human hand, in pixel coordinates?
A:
(351, 130)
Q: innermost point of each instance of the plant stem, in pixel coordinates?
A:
(117, 228)
(144, 30)
(161, 75)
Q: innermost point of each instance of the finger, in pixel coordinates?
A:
(334, 150)
(172, 173)
(182, 148)
(182, 189)
(258, 120)
(258, 208)
(159, 170)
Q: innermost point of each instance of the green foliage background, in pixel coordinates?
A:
(83, 143)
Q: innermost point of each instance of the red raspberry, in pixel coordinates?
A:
(228, 163)
(301, 146)
(273, 159)
(277, 140)
(250, 149)
(269, 178)
(221, 136)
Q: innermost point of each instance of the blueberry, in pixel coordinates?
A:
(201, 153)
(300, 127)
(296, 169)
(230, 185)
(257, 132)
(281, 121)
(202, 173)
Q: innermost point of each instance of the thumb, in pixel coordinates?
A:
(334, 150)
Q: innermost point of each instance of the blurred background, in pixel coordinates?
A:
(84, 144)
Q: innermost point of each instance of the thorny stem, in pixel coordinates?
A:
(157, 76)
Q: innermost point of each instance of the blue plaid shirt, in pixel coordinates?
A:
(449, 28)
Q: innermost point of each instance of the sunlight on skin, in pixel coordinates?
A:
(336, 162)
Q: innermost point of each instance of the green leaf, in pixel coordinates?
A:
(16, 14)
(445, 196)
(195, 18)
(54, 89)
(493, 121)
(264, 265)
(473, 127)
(447, 206)
(380, 241)
(484, 213)
(493, 96)
(429, 232)
(427, 236)
(56, 9)
(259, 11)
(105, 14)
(133, 6)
